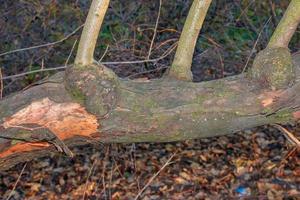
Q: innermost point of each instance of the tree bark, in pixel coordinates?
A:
(106, 109)
(89, 36)
(181, 66)
(287, 26)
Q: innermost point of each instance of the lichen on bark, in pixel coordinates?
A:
(95, 85)
(273, 68)
(181, 66)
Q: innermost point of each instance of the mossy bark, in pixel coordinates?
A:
(127, 111)
(273, 68)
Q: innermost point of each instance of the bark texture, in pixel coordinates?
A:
(181, 66)
(287, 26)
(91, 104)
(89, 36)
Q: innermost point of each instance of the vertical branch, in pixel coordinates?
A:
(88, 40)
(155, 30)
(181, 66)
(273, 67)
(1, 84)
(287, 26)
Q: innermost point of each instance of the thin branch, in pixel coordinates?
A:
(155, 30)
(34, 71)
(43, 45)
(255, 44)
(181, 66)
(16, 183)
(154, 176)
(71, 52)
(104, 54)
(143, 61)
(290, 136)
(147, 71)
(105, 63)
(89, 36)
(88, 177)
(287, 26)
(1, 84)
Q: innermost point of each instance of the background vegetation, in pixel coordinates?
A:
(227, 39)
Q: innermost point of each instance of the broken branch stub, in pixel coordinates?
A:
(94, 86)
(273, 67)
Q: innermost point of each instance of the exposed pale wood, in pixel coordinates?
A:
(155, 111)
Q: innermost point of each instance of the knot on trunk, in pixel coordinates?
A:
(273, 68)
(95, 86)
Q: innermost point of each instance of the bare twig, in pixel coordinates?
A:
(43, 45)
(154, 176)
(105, 162)
(104, 54)
(155, 30)
(165, 43)
(147, 71)
(142, 61)
(16, 183)
(105, 63)
(288, 135)
(255, 44)
(245, 10)
(88, 177)
(1, 84)
(244, 13)
(43, 64)
(71, 52)
(32, 72)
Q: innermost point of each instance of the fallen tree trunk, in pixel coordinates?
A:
(111, 110)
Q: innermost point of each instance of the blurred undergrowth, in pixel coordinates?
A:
(226, 41)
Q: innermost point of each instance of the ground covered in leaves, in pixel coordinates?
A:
(255, 164)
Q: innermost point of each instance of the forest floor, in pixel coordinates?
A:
(256, 164)
(253, 164)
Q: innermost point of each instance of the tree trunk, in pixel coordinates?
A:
(105, 109)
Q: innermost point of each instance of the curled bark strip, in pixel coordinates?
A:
(64, 120)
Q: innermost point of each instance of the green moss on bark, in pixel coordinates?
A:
(273, 68)
(95, 86)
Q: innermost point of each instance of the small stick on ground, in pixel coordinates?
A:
(154, 176)
(88, 177)
(16, 183)
(290, 136)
